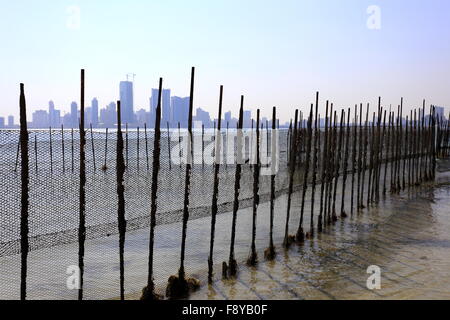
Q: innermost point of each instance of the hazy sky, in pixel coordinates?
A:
(274, 52)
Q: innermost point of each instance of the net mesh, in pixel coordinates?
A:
(54, 159)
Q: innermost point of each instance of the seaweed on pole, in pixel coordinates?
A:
(300, 236)
(399, 147)
(332, 159)
(360, 146)
(381, 146)
(230, 269)
(25, 180)
(371, 161)
(338, 162)
(364, 163)
(215, 189)
(148, 293)
(270, 253)
(354, 140)
(345, 164)
(409, 134)
(422, 172)
(293, 154)
(253, 258)
(388, 140)
(180, 286)
(122, 224)
(322, 179)
(315, 164)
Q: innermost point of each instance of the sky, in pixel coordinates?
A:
(275, 53)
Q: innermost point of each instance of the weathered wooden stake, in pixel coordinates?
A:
(215, 190)
(25, 180)
(148, 292)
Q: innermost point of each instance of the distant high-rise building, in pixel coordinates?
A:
(67, 120)
(247, 119)
(94, 112)
(166, 108)
(2, 122)
(74, 114)
(126, 102)
(203, 116)
(180, 111)
(141, 116)
(87, 116)
(51, 113)
(40, 119)
(11, 121)
(108, 116)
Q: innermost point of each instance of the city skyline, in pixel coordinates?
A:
(174, 109)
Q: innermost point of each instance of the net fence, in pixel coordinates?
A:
(54, 164)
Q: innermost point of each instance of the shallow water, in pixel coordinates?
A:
(406, 235)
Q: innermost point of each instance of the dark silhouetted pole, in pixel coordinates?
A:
(82, 200)
(323, 175)
(62, 147)
(316, 145)
(93, 147)
(345, 164)
(231, 269)
(25, 180)
(299, 237)
(253, 258)
(168, 146)
(215, 190)
(149, 291)
(293, 154)
(270, 253)
(122, 224)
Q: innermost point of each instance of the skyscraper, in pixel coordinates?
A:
(10, 121)
(40, 119)
(54, 116)
(126, 102)
(74, 114)
(247, 119)
(203, 116)
(180, 111)
(166, 109)
(94, 112)
(108, 115)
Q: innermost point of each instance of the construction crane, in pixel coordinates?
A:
(130, 75)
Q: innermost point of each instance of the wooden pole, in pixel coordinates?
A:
(214, 206)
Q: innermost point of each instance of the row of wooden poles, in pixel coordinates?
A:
(410, 147)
